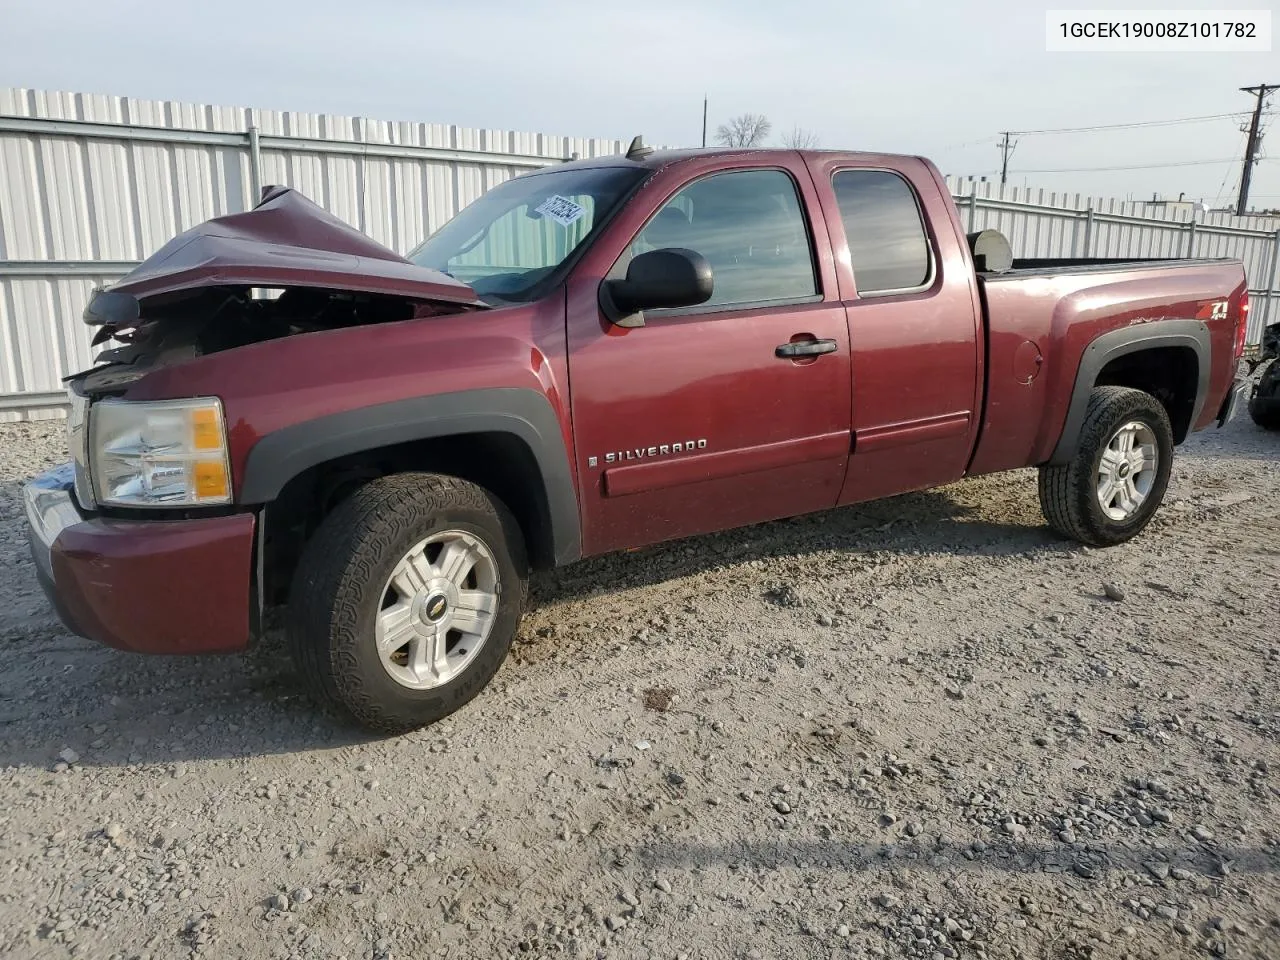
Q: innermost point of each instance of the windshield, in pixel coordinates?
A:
(520, 231)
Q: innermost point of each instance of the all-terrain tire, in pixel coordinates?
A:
(1264, 405)
(1069, 492)
(337, 592)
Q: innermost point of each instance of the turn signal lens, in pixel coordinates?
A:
(211, 479)
(206, 429)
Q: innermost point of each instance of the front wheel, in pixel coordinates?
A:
(406, 599)
(1115, 482)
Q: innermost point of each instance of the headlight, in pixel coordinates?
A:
(167, 453)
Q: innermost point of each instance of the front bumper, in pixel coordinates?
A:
(152, 586)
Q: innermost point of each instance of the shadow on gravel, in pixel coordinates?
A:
(1085, 867)
(1241, 440)
(914, 524)
(115, 709)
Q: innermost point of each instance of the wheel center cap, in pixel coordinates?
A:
(435, 608)
(1122, 471)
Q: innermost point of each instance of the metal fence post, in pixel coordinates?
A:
(973, 206)
(1272, 291)
(255, 168)
(1190, 250)
(1088, 232)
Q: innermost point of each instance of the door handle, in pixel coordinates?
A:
(804, 348)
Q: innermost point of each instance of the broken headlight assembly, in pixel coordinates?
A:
(167, 453)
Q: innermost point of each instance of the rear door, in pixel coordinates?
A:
(706, 418)
(914, 323)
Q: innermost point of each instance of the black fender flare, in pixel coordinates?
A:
(284, 454)
(1191, 334)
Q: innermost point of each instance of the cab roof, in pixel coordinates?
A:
(658, 159)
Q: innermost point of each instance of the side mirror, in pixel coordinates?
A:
(671, 277)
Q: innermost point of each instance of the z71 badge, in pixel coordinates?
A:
(1214, 310)
(646, 453)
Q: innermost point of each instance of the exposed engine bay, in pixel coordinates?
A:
(176, 327)
(284, 268)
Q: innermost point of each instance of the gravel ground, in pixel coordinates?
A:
(919, 728)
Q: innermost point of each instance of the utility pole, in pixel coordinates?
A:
(1006, 151)
(704, 121)
(1251, 148)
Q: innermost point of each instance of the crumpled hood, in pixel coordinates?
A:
(286, 241)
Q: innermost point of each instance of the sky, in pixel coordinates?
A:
(941, 79)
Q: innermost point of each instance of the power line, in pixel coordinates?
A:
(1126, 126)
(1222, 187)
(1138, 166)
(968, 143)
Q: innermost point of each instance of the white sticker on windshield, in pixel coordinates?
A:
(561, 209)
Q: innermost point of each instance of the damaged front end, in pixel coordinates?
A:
(282, 269)
(154, 444)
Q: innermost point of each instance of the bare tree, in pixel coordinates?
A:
(744, 130)
(800, 139)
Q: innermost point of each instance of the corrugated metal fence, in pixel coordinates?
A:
(1039, 223)
(89, 185)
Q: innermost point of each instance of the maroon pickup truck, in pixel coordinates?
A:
(590, 357)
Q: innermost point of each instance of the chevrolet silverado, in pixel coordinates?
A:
(591, 357)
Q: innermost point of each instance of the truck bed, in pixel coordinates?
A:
(1042, 315)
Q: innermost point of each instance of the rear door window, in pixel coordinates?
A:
(887, 243)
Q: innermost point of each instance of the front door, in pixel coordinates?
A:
(732, 412)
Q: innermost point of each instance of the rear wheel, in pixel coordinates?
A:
(406, 599)
(1115, 483)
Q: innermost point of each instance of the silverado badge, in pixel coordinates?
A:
(646, 453)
